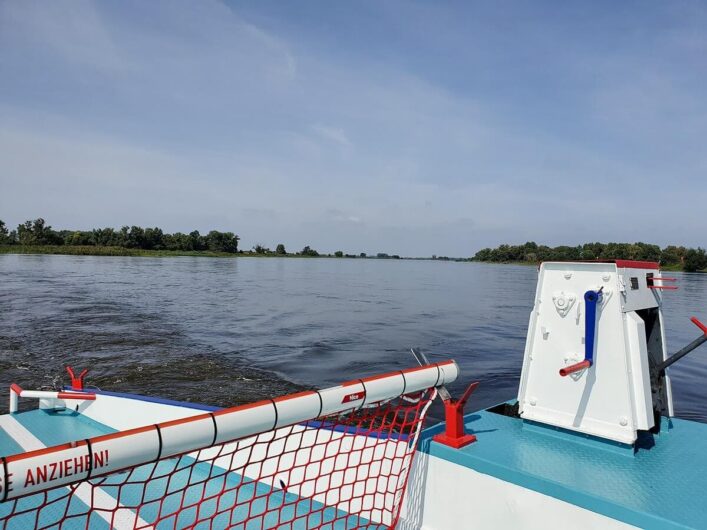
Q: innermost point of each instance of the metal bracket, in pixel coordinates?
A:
(422, 360)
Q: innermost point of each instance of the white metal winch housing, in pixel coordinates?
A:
(613, 398)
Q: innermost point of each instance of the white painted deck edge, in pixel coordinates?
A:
(443, 495)
(18, 432)
(123, 413)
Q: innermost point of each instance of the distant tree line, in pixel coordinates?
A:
(690, 259)
(306, 251)
(37, 232)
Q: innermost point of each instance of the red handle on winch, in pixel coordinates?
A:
(567, 370)
(699, 325)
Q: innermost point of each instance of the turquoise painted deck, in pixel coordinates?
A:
(54, 428)
(173, 482)
(661, 486)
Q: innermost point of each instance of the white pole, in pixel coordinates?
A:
(13, 401)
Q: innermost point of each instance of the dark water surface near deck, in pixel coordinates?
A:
(228, 331)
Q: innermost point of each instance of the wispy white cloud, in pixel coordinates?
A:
(334, 134)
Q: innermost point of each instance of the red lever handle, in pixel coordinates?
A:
(699, 325)
(567, 370)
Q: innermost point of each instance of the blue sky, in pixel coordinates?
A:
(416, 128)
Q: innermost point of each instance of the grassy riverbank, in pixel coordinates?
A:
(91, 250)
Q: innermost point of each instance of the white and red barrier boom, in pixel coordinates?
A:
(17, 392)
(48, 468)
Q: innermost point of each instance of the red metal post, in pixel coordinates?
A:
(454, 434)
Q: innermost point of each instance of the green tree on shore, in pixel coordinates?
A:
(280, 249)
(695, 260)
(307, 251)
(6, 237)
(37, 232)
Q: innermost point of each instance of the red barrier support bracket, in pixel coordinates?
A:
(76, 382)
(454, 434)
(699, 325)
(664, 287)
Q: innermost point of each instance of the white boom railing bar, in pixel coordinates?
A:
(106, 454)
(17, 392)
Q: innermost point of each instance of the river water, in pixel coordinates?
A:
(228, 331)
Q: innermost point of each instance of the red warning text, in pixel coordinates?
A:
(65, 468)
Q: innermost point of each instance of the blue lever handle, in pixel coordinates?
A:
(591, 299)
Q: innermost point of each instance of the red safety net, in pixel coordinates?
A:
(344, 471)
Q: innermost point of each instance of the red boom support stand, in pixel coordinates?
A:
(76, 382)
(454, 434)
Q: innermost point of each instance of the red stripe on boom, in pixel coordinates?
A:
(76, 395)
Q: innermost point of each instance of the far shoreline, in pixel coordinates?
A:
(90, 250)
